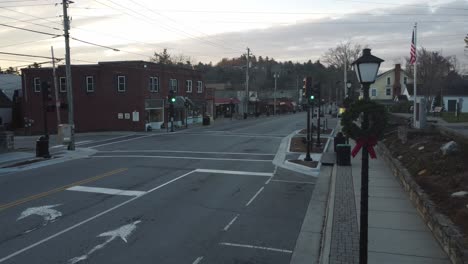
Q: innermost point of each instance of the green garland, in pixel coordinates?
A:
(377, 120)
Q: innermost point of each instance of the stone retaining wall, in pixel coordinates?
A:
(446, 233)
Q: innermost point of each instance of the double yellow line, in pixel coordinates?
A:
(59, 189)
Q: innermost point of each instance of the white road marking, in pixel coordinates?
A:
(198, 260)
(257, 247)
(89, 219)
(226, 228)
(176, 157)
(120, 141)
(232, 135)
(255, 196)
(123, 232)
(77, 143)
(263, 174)
(105, 191)
(47, 212)
(285, 181)
(274, 172)
(186, 151)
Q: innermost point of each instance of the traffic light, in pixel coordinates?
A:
(171, 97)
(307, 87)
(46, 91)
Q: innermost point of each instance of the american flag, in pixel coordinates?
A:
(413, 51)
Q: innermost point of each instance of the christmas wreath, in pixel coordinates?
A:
(364, 137)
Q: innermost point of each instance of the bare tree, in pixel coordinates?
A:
(432, 70)
(344, 52)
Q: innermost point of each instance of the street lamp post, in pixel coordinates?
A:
(366, 68)
(276, 76)
(348, 92)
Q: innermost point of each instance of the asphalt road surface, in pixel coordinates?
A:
(203, 195)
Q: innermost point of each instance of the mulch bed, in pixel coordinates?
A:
(299, 144)
(311, 164)
(439, 176)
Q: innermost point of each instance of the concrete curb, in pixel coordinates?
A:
(328, 227)
(65, 156)
(309, 242)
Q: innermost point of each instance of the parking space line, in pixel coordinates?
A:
(177, 157)
(226, 228)
(59, 189)
(89, 219)
(198, 260)
(105, 191)
(263, 174)
(256, 247)
(255, 196)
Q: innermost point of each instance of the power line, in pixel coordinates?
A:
(28, 21)
(27, 55)
(30, 30)
(16, 6)
(418, 6)
(152, 21)
(94, 44)
(276, 12)
(159, 14)
(17, 1)
(23, 13)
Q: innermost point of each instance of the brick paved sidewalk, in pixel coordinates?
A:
(345, 233)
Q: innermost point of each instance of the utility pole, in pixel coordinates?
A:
(66, 28)
(345, 73)
(57, 102)
(246, 109)
(276, 75)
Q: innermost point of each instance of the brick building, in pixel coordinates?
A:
(120, 95)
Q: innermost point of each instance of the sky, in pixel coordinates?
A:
(208, 30)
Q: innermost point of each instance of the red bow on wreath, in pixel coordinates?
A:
(370, 142)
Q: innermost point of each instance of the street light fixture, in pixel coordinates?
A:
(366, 68)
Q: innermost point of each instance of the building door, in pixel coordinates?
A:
(451, 107)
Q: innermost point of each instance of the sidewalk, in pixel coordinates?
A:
(397, 233)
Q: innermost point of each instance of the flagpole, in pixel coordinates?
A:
(415, 67)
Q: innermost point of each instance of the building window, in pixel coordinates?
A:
(200, 87)
(121, 83)
(405, 80)
(173, 85)
(188, 84)
(37, 85)
(89, 84)
(63, 84)
(388, 92)
(154, 84)
(373, 92)
(388, 80)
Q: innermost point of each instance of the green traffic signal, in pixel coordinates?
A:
(312, 97)
(173, 99)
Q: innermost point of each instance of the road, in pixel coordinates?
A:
(203, 195)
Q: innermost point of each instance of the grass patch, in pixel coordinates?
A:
(451, 118)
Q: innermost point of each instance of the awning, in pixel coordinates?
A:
(191, 104)
(220, 101)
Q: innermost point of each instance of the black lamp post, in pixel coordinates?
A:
(348, 85)
(231, 106)
(366, 68)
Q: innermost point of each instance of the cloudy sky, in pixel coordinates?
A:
(208, 30)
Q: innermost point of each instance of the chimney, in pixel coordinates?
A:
(396, 84)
